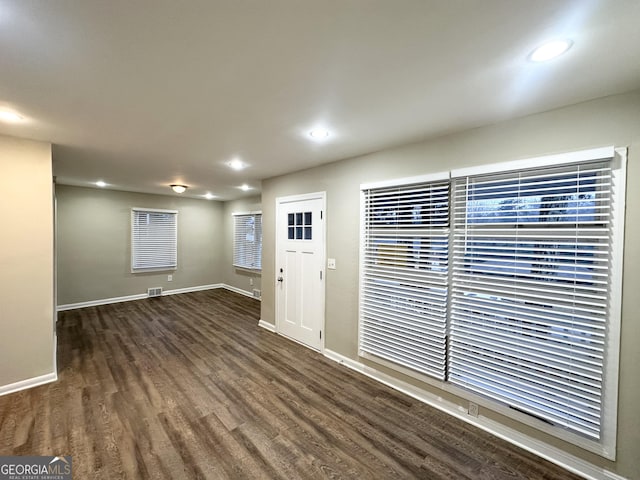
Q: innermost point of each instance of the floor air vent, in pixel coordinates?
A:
(154, 292)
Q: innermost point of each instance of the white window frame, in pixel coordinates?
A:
(257, 215)
(173, 239)
(606, 446)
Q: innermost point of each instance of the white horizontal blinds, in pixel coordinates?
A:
(530, 292)
(247, 241)
(154, 239)
(404, 275)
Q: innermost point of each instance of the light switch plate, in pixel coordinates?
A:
(331, 263)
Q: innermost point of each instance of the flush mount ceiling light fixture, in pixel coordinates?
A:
(550, 50)
(236, 164)
(179, 188)
(10, 116)
(319, 134)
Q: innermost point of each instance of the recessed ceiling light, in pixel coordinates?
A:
(236, 164)
(319, 134)
(10, 116)
(100, 183)
(179, 188)
(245, 187)
(209, 196)
(550, 50)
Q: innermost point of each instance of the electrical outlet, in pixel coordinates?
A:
(473, 409)
(169, 278)
(331, 263)
(251, 281)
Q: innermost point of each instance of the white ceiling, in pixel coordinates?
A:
(144, 93)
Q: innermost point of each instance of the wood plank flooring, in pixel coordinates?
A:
(189, 387)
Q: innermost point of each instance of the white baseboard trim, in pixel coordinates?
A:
(141, 296)
(555, 455)
(28, 383)
(102, 301)
(267, 326)
(246, 293)
(198, 288)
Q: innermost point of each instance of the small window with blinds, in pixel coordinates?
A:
(247, 241)
(154, 240)
(405, 248)
(531, 264)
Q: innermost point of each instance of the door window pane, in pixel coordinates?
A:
(299, 226)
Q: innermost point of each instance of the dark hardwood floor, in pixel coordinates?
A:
(188, 386)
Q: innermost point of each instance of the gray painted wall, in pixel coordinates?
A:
(238, 277)
(611, 120)
(94, 243)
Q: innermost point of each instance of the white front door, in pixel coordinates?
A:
(300, 252)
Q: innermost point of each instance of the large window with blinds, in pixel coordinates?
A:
(517, 299)
(247, 240)
(531, 268)
(404, 274)
(154, 240)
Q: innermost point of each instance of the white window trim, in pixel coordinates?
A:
(612, 363)
(242, 267)
(606, 447)
(432, 177)
(156, 210)
(252, 212)
(537, 162)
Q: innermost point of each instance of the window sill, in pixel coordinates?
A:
(154, 270)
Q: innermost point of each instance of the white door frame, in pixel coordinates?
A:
(323, 256)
